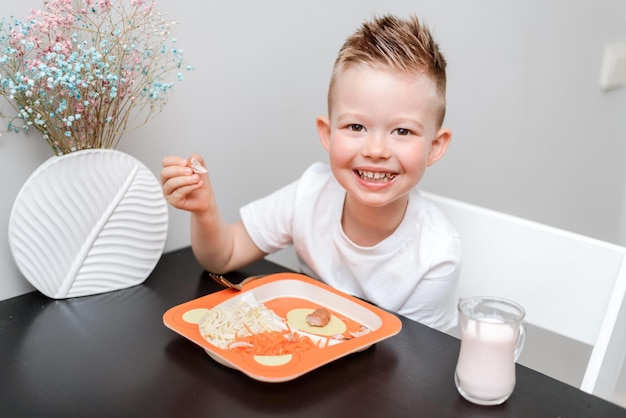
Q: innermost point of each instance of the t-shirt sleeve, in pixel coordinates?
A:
(269, 220)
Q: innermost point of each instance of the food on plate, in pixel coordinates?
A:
(362, 331)
(250, 327)
(296, 319)
(222, 325)
(318, 318)
(273, 343)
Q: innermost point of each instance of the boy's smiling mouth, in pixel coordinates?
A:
(376, 176)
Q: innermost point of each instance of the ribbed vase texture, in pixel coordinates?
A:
(88, 222)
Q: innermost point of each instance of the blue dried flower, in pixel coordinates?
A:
(101, 65)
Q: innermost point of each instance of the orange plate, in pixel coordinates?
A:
(282, 292)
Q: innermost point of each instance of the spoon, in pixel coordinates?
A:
(237, 286)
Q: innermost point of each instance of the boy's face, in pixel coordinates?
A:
(381, 134)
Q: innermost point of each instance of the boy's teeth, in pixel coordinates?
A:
(371, 175)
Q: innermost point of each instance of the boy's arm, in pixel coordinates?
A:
(218, 246)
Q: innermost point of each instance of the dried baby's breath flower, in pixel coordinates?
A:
(83, 72)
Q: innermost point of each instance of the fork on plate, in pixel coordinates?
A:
(237, 286)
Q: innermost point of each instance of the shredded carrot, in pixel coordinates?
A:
(274, 343)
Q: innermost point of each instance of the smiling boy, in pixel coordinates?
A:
(360, 223)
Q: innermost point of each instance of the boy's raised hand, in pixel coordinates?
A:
(218, 246)
(186, 187)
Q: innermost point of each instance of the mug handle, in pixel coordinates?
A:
(521, 338)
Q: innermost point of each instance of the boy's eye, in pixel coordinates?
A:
(402, 132)
(356, 127)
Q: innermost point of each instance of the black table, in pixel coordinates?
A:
(111, 355)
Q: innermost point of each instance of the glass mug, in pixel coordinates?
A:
(492, 338)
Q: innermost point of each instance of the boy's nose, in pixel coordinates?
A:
(376, 146)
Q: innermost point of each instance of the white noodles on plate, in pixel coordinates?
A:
(222, 324)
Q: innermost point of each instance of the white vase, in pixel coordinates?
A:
(88, 222)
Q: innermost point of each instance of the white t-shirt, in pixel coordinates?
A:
(413, 272)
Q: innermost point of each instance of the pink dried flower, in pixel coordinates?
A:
(70, 72)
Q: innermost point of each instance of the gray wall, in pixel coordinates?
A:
(533, 134)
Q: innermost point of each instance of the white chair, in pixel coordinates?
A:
(570, 285)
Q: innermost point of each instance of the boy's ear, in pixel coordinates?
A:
(439, 146)
(323, 131)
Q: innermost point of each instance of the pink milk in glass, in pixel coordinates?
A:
(491, 338)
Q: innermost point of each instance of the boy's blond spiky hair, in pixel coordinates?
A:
(399, 44)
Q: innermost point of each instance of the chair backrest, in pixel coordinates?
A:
(569, 284)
